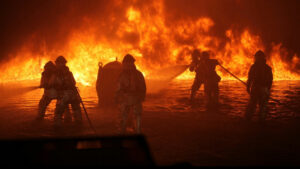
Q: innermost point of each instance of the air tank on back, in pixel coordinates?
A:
(106, 83)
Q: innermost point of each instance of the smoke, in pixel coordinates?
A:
(275, 21)
(34, 23)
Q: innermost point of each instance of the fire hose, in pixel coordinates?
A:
(80, 99)
(277, 101)
(233, 75)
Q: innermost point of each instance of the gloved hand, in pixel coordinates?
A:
(266, 91)
(248, 89)
(192, 67)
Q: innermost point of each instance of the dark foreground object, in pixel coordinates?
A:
(94, 151)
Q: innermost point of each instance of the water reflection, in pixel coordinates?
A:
(18, 110)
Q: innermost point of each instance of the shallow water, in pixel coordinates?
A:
(173, 127)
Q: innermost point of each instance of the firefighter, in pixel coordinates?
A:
(50, 93)
(196, 67)
(260, 78)
(131, 91)
(67, 94)
(211, 80)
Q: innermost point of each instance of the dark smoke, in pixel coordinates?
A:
(50, 21)
(275, 21)
(53, 21)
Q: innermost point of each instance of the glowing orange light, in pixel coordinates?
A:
(155, 44)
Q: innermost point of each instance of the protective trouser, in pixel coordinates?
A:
(137, 109)
(260, 96)
(67, 97)
(44, 102)
(48, 96)
(196, 86)
(211, 91)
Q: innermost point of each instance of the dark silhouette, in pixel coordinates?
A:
(67, 94)
(211, 80)
(77, 152)
(131, 91)
(106, 83)
(260, 78)
(196, 67)
(50, 93)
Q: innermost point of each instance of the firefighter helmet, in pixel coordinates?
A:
(61, 59)
(205, 55)
(260, 56)
(196, 53)
(49, 65)
(128, 59)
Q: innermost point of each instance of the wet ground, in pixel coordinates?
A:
(177, 132)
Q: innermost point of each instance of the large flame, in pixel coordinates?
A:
(155, 44)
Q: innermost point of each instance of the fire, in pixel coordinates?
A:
(280, 66)
(156, 44)
(133, 14)
(238, 53)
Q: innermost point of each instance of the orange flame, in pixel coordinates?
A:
(155, 44)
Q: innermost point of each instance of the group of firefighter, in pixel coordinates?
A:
(59, 84)
(260, 78)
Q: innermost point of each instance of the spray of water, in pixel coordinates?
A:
(13, 91)
(163, 77)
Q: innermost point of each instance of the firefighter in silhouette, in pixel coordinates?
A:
(67, 94)
(260, 78)
(211, 79)
(131, 91)
(50, 93)
(197, 67)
